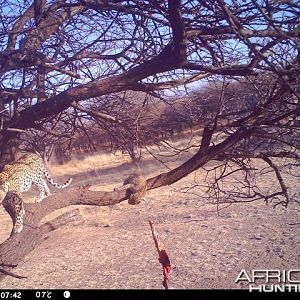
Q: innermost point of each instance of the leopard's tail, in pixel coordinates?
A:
(58, 185)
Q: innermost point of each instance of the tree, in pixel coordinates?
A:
(65, 63)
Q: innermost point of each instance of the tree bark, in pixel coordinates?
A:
(16, 247)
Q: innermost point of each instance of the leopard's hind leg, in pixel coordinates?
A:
(43, 189)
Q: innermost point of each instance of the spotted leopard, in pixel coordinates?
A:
(18, 178)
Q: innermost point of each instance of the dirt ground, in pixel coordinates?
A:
(113, 247)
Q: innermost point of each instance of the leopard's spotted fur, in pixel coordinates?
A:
(13, 204)
(18, 178)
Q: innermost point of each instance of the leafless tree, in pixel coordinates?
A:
(64, 63)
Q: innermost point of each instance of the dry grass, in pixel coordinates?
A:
(88, 163)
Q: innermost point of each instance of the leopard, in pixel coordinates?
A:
(18, 177)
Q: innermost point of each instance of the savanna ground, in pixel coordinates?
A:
(113, 246)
